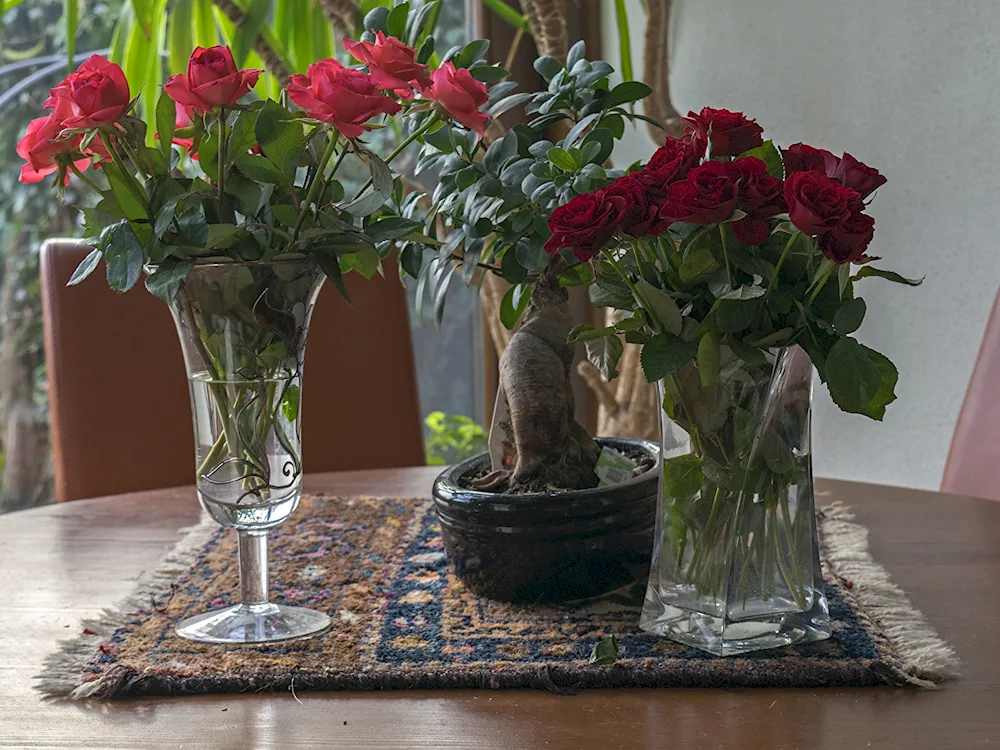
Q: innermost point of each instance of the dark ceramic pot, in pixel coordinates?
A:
(549, 547)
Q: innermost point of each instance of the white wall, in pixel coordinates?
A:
(913, 88)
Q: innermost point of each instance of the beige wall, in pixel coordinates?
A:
(909, 86)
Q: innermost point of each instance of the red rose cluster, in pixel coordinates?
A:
(822, 194)
(96, 97)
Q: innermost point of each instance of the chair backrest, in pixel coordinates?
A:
(973, 466)
(119, 400)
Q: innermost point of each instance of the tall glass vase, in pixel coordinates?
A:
(242, 328)
(736, 560)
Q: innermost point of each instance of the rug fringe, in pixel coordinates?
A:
(926, 658)
(64, 668)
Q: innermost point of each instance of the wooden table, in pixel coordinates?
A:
(61, 563)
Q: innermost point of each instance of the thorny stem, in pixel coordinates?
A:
(82, 177)
(129, 177)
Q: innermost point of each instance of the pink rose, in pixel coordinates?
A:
(96, 93)
(461, 96)
(392, 65)
(344, 97)
(212, 81)
(43, 143)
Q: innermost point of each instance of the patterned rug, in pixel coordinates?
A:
(403, 621)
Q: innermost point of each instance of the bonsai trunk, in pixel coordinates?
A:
(551, 450)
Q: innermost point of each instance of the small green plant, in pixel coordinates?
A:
(452, 438)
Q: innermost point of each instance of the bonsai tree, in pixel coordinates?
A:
(491, 208)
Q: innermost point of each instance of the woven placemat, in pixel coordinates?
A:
(403, 621)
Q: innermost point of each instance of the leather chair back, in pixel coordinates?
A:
(118, 392)
(973, 466)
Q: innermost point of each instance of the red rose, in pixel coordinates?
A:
(817, 203)
(632, 212)
(392, 65)
(761, 197)
(344, 97)
(584, 224)
(707, 196)
(847, 242)
(212, 81)
(858, 175)
(42, 143)
(673, 160)
(731, 133)
(461, 96)
(802, 158)
(97, 94)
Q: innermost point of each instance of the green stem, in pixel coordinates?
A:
(317, 180)
(725, 254)
(133, 183)
(824, 274)
(431, 121)
(222, 163)
(781, 261)
(83, 178)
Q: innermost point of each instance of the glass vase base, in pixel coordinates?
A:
(256, 623)
(727, 636)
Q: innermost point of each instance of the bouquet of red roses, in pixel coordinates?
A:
(734, 265)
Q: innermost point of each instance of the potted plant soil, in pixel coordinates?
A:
(539, 517)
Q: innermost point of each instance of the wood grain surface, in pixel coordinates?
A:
(61, 563)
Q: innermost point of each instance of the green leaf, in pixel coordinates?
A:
(473, 51)
(242, 137)
(500, 152)
(365, 205)
(604, 652)
(331, 267)
(698, 265)
(121, 186)
(281, 138)
(166, 279)
(886, 392)
(661, 307)
(604, 354)
(166, 119)
(396, 23)
(852, 376)
(624, 39)
(86, 267)
(513, 304)
(259, 169)
(634, 322)
(610, 291)
(709, 358)
(410, 260)
(849, 316)
(248, 30)
(664, 355)
(578, 275)
(745, 292)
(630, 91)
(733, 316)
(143, 10)
(382, 180)
(587, 332)
(682, 476)
(508, 14)
(221, 236)
(770, 155)
(489, 73)
(180, 39)
(391, 228)
(366, 262)
(547, 67)
(123, 256)
(290, 403)
(888, 275)
(562, 159)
